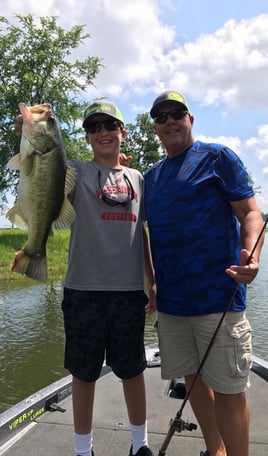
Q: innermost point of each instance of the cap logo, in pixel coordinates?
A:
(176, 97)
(98, 108)
(168, 96)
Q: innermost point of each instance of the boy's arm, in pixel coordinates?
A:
(149, 272)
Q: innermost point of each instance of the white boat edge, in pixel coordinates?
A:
(18, 419)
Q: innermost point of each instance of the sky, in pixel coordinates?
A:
(214, 53)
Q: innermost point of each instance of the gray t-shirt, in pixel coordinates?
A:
(106, 243)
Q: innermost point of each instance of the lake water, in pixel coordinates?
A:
(32, 337)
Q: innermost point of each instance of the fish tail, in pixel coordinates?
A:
(33, 267)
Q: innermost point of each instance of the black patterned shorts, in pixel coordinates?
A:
(104, 325)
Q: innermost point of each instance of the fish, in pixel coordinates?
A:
(45, 181)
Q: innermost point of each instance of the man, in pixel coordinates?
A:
(203, 223)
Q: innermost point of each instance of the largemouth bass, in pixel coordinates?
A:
(44, 183)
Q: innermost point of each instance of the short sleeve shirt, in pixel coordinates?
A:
(106, 243)
(194, 233)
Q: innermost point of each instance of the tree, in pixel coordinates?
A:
(142, 143)
(36, 67)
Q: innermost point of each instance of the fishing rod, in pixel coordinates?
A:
(177, 424)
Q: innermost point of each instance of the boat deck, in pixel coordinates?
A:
(51, 433)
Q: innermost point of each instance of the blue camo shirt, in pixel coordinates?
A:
(194, 233)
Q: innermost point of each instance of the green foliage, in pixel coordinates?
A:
(36, 67)
(12, 240)
(142, 143)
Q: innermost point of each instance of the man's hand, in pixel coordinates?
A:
(245, 273)
(151, 306)
(18, 124)
(125, 160)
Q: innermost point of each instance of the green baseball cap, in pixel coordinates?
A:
(167, 96)
(102, 107)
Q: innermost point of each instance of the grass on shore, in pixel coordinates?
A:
(12, 240)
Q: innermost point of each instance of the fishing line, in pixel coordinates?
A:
(177, 424)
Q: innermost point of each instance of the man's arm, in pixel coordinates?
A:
(251, 224)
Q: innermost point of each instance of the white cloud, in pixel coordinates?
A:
(141, 54)
(221, 71)
(262, 198)
(232, 142)
(228, 67)
(259, 144)
(127, 36)
(252, 151)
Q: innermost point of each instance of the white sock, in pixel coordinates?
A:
(138, 436)
(83, 444)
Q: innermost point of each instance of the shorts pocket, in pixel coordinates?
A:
(239, 348)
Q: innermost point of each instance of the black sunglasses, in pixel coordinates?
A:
(109, 125)
(176, 114)
(110, 201)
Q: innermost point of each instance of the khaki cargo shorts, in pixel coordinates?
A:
(183, 342)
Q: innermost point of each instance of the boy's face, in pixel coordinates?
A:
(105, 135)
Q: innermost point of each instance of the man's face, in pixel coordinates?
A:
(173, 126)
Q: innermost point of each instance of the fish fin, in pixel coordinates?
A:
(16, 217)
(67, 212)
(28, 163)
(15, 162)
(33, 267)
(69, 180)
(66, 216)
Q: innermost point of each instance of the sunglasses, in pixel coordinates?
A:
(110, 201)
(109, 125)
(176, 114)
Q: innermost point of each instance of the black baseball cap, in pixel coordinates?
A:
(169, 96)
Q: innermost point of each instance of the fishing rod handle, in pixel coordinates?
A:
(161, 453)
(165, 444)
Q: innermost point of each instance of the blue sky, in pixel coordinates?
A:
(215, 53)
